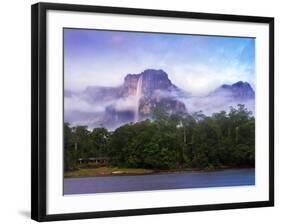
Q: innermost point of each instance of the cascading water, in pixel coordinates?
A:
(138, 97)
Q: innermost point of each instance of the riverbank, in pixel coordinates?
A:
(117, 171)
(106, 171)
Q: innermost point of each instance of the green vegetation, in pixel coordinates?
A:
(168, 142)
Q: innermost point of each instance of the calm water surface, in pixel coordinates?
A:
(85, 185)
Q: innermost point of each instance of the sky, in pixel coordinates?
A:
(195, 63)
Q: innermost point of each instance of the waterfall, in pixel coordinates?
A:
(138, 97)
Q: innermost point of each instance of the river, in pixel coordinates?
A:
(179, 180)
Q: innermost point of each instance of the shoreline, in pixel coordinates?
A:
(151, 172)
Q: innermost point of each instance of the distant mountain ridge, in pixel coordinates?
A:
(139, 95)
(239, 90)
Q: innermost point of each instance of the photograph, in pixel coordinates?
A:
(147, 111)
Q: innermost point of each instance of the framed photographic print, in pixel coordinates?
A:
(140, 111)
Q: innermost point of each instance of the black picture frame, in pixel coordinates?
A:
(39, 107)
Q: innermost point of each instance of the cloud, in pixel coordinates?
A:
(213, 104)
(76, 103)
(125, 104)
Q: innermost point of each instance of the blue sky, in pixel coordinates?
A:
(195, 63)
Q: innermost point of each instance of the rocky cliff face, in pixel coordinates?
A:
(155, 89)
(151, 79)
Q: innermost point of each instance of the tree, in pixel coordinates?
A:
(70, 154)
(99, 142)
(82, 141)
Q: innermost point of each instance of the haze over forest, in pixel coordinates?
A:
(140, 94)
